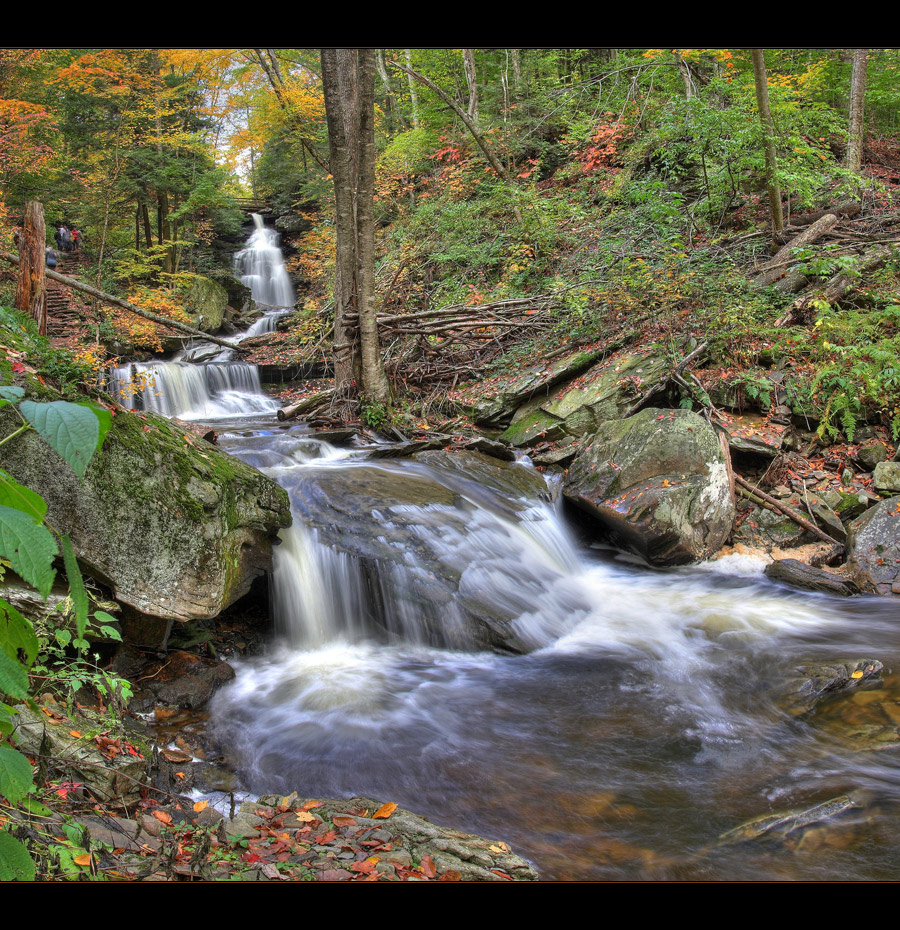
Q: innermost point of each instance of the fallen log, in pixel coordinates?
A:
(126, 305)
(835, 289)
(848, 209)
(774, 504)
(772, 270)
(302, 406)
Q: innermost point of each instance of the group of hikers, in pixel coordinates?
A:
(67, 239)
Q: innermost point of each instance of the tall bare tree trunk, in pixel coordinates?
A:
(394, 113)
(857, 109)
(31, 286)
(768, 127)
(348, 80)
(413, 93)
(472, 85)
(375, 382)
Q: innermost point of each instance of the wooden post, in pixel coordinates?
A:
(32, 284)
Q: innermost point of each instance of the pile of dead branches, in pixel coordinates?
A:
(440, 347)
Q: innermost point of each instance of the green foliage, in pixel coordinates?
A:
(373, 413)
(74, 431)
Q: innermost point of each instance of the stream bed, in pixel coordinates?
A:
(643, 725)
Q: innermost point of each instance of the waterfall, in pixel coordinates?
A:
(191, 392)
(261, 267)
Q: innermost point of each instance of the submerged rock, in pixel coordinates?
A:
(874, 548)
(659, 482)
(811, 683)
(172, 525)
(779, 826)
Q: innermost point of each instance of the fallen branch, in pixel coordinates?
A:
(773, 504)
(125, 305)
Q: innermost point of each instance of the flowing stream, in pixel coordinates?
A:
(643, 723)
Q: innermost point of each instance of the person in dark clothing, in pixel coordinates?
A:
(50, 257)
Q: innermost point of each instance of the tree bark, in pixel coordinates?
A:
(31, 286)
(857, 109)
(768, 127)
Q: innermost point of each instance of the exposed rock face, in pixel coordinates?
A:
(659, 482)
(874, 548)
(605, 392)
(175, 527)
(494, 405)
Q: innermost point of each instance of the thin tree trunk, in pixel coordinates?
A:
(148, 232)
(413, 94)
(768, 127)
(394, 113)
(31, 286)
(461, 113)
(857, 109)
(375, 382)
(472, 85)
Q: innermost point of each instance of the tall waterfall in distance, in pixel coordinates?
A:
(261, 267)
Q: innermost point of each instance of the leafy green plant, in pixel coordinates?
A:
(75, 431)
(373, 413)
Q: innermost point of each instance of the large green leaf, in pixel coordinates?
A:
(10, 393)
(16, 777)
(15, 863)
(71, 429)
(17, 496)
(13, 677)
(17, 635)
(28, 547)
(76, 586)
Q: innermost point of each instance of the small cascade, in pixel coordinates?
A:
(261, 267)
(191, 392)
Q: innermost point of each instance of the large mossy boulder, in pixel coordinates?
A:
(577, 407)
(658, 482)
(176, 528)
(873, 548)
(206, 302)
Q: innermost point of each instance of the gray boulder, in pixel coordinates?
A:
(659, 481)
(874, 548)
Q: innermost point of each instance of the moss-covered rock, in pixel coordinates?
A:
(206, 303)
(659, 482)
(175, 527)
(578, 406)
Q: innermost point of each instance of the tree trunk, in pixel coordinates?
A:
(857, 109)
(472, 85)
(32, 283)
(375, 383)
(413, 94)
(392, 108)
(148, 232)
(768, 128)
